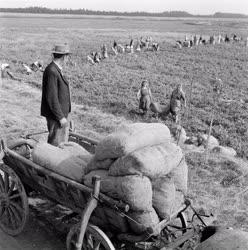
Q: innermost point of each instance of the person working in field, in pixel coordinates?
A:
(176, 100)
(56, 102)
(144, 97)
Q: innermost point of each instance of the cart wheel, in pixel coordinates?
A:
(94, 239)
(13, 202)
(178, 226)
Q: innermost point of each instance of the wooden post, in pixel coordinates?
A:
(209, 134)
(91, 205)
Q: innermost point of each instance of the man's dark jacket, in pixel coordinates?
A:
(55, 102)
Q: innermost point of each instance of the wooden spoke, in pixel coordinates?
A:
(14, 203)
(1, 183)
(16, 216)
(94, 239)
(11, 188)
(14, 196)
(6, 182)
(11, 218)
(17, 207)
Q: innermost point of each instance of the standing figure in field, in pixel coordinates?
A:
(176, 101)
(196, 41)
(219, 39)
(142, 43)
(131, 46)
(104, 51)
(138, 47)
(144, 97)
(114, 48)
(212, 40)
(227, 39)
(56, 101)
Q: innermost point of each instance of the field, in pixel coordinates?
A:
(104, 95)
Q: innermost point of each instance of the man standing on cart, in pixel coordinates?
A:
(56, 101)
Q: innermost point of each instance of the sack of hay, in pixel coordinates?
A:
(128, 138)
(136, 191)
(144, 220)
(152, 161)
(74, 149)
(163, 197)
(95, 164)
(60, 161)
(180, 176)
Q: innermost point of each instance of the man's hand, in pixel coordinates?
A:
(63, 122)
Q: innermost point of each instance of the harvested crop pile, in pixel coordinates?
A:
(128, 138)
(69, 161)
(139, 165)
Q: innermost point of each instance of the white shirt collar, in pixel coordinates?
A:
(59, 66)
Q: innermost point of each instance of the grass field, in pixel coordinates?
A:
(110, 87)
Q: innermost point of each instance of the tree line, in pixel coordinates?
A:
(43, 10)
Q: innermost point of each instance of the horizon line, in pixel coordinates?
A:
(128, 12)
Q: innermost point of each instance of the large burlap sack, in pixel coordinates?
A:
(143, 220)
(153, 161)
(134, 190)
(128, 138)
(226, 239)
(180, 176)
(178, 202)
(163, 197)
(95, 164)
(74, 149)
(59, 161)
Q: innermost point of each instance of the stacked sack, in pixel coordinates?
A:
(139, 165)
(69, 159)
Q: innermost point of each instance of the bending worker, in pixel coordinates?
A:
(56, 102)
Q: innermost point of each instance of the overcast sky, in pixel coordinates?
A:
(192, 6)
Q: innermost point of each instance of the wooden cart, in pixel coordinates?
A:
(19, 175)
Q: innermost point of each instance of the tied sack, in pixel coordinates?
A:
(180, 176)
(60, 161)
(74, 149)
(128, 138)
(153, 161)
(163, 197)
(134, 190)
